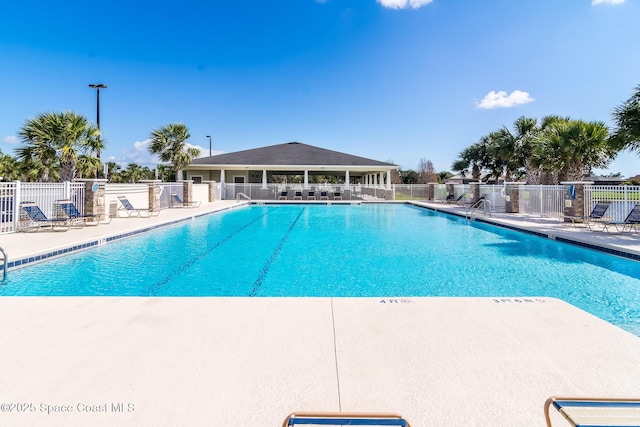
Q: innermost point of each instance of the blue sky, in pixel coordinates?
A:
(397, 80)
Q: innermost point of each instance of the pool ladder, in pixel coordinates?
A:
(483, 203)
(4, 261)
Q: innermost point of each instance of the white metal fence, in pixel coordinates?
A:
(43, 194)
(542, 200)
(622, 199)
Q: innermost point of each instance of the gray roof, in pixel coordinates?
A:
(291, 153)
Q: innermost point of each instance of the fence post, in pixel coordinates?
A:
(512, 198)
(94, 191)
(187, 191)
(212, 190)
(17, 198)
(154, 195)
(574, 199)
(475, 191)
(431, 191)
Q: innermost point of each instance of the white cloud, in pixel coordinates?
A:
(403, 4)
(11, 139)
(502, 100)
(597, 2)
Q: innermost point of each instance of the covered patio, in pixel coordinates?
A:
(268, 171)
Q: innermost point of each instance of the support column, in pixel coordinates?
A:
(306, 179)
(475, 191)
(512, 198)
(187, 191)
(211, 190)
(222, 178)
(154, 195)
(381, 179)
(94, 200)
(264, 179)
(388, 180)
(347, 186)
(574, 199)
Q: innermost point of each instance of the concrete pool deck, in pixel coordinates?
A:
(131, 361)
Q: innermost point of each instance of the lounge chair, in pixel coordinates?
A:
(450, 198)
(596, 216)
(129, 211)
(592, 412)
(345, 419)
(630, 223)
(33, 219)
(337, 195)
(69, 209)
(297, 195)
(323, 195)
(311, 195)
(176, 202)
(283, 195)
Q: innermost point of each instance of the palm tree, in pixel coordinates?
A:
(569, 148)
(54, 141)
(9, 170)
(627, 118)
(169, 143)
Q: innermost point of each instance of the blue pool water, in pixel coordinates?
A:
(338, 250)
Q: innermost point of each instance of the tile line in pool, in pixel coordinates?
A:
(153, 289)
(274, 255)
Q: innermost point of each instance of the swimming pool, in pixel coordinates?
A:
(342, 250)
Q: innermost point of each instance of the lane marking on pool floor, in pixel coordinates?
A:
(272, 258)
(153, 290)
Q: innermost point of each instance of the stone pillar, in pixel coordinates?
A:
(187, 191)
(154, 196)
(574, 199)
(450, 189)
(211, 190)
(94, 200)
(512, 199)
(475, 191)
(431, 191)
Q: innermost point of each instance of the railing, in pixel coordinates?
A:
(4, 262)
(542, 200)
(274, 191)
(495, 194)
(484, 204)
(622, 199)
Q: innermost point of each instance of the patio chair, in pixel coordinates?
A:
(283, 195)
(69, 209)
(337, 195)
(311, 195)
(323, 195)
(176, 202)
(345, 419)
(129, 211)
(630, 223)
(297, 195)
(597, 214)
(33, 219)
(592, 412)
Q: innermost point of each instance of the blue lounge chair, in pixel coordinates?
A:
(68, 208)
(323, 195)
(630, 223)
(33, 219)
(344, 419)
(596, 216)
(128, 209)
(176, 202)
(297, 195)
(311, 195)
(595, 412)
(283, 195)
(337, 195)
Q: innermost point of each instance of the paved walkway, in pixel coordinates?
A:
(128, 361)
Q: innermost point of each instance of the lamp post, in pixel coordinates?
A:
(97, 87)
(208, 136)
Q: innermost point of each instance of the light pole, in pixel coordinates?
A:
(97, 87)
(208, 136)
